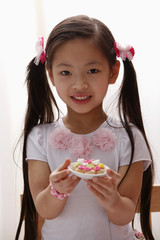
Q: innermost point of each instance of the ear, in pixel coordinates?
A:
(50, 73)
(114, 72)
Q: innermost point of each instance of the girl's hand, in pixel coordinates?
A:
(61, 180)
(105, 188)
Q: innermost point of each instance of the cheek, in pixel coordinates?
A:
(61, 90)
(103, 91)
(101, 87)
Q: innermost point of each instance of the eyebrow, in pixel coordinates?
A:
(64, 65)
(88, 64)
(94, 63)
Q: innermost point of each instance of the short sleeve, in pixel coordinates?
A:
(36, 144)
(141, 152)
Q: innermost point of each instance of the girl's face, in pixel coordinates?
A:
(81, 75)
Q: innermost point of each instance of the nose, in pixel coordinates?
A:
(79, 83)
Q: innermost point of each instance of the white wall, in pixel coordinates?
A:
(21, 23)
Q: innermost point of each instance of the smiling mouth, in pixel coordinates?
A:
(81, 100)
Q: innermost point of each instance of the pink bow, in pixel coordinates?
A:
(127, 52)
(41, 53)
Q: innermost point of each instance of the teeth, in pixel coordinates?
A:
(81, 98)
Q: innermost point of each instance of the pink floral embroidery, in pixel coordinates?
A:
(81, 146)
(60, 138)
(104, 139)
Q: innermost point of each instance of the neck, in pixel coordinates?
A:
(84, 123)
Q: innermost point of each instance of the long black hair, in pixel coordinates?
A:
(41, 104)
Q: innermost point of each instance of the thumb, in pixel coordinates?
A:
(114, 175)
(64, 165)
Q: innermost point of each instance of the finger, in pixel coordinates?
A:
(72, 185)
(71, 181)
(56, 176)
(64, 165)
(105, 185)
(68, 181)
(96, 193)
(114, 175)
(67, 185)
(99, 188)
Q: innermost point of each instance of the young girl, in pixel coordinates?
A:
(81, 60)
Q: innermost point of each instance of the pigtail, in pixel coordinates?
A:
(129, 97)
(39, 111)
(40, 97)
(130, 112)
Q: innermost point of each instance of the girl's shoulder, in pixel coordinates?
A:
(117, 126)
(44, 129)
(37, 140)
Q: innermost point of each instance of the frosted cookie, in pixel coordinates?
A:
(88, 166)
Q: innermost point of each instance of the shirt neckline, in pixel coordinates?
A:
(60, 122)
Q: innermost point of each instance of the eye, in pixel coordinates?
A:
(65, 73)
(92, 71)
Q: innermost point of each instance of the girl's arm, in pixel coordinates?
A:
(48, 206)
(119, 202)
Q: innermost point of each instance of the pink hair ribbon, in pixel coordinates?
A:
(124, 52)
(41, 53)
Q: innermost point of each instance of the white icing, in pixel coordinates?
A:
(84, 163)
(96, 162)
(80, 160)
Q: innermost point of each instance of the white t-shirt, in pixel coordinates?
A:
(82, 216)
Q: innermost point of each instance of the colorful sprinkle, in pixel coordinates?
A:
(87, 169)
(80, 160)
(90, 165)
(101, 165)
(87, 161)
(81, 167)
(97, 168)
(96, 162)
(77, 164)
